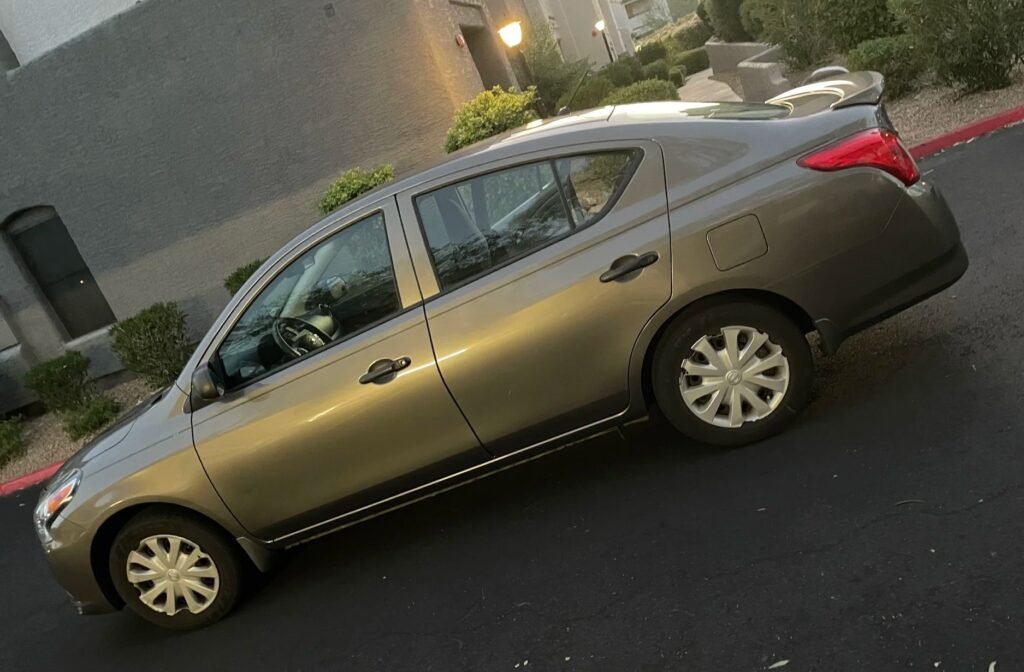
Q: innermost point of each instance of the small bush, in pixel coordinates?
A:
(750, 16)
(61, 383)
(848, 23)
(549, 73)
(11, 444)
(619, 73)
(898, 58)
(352, 184)
(234, 282)
(702, 14)
(594, 90)
(489, 114)
(678, 76)
(92, 416)
(657, 70)
(694, 60)
(725, 17)
(974, 44)
(153, 343)
(651, 52)
(692, 34)
(650, 90)
(796, 25)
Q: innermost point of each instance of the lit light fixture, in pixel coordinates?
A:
(511, 34)
(599, 26)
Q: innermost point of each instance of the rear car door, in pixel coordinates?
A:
(304, 436)
(531, 340)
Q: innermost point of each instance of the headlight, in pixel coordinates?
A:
(51, 504)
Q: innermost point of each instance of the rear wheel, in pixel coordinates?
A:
(729, 374)
(175, 570)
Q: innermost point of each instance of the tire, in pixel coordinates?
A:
(200, 542)
(709, 322)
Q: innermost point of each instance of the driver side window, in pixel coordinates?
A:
(341, 286)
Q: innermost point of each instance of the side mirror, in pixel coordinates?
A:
(204, 385)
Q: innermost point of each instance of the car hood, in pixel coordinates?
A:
(112, 437)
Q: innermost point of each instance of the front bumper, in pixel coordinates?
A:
(918, 255)
(69, 556)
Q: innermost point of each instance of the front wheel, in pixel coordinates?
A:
(175, 571)
(729, 374)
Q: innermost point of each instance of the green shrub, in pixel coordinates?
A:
(897, 57)
(750, 16)
(61, 383)
(848, 23)
(549, 73)
(678, 76)
(96, 413)
(154, 343)
(11, 444)
(694, 60)
(702, 14)
(354, 183)
(796, 25)
(490, 113)
(234, 282)
(692, 34)
(657, 70)
(651, 52)
(643, 92)
(617, 73)
(974, 44)
(725, 17)
(591, 94)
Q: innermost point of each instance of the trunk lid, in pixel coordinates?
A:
(833, 93)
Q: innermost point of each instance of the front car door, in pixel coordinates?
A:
(333, 398)
(531, 340)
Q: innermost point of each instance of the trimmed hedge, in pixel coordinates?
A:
(848, 23)
(650, 90)
(591, 94)
(490, 113)
(12, 446)
(154, 343)
(92, 416)
(234, 282)
(677, 75)
(651, 52)
(618, 73)
(694, 60)
(897, 57)
(974, 44)
(725, 19)
(797, 25)
(750, 16)
(657, 70)
(61, 383)
(692, 35)
(702, 14)
(352, 184)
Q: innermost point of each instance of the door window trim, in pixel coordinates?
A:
(211, 355)
(639, 154)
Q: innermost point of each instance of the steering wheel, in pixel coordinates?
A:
(299, 336)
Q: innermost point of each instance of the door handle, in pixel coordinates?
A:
(384, 368)
(623, 266)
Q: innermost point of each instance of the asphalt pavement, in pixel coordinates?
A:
(884, 532)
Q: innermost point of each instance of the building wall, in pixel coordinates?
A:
(33, 27)
(180, 140)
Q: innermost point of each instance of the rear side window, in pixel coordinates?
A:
(481, 224)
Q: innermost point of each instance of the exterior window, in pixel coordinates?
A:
(336, 289)
(475, 226)
(52, 258)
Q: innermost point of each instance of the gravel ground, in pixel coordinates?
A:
(938, 110)
(46, 441)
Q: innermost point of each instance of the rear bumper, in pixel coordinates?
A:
(918, 255)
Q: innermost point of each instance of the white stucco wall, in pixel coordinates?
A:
(34, 27)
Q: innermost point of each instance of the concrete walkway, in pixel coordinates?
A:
(700, 88)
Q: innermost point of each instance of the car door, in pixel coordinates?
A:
(333, 398)
(539, 274)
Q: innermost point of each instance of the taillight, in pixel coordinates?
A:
(877, 148)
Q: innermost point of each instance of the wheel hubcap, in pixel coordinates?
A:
(173, 574)
(735, 376)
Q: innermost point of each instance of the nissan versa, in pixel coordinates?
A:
(542, 286)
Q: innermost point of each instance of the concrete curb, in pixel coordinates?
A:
(28, 480)
(969, 132)
(925, 149)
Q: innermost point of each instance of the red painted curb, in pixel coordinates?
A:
(977, 129)
(29, 480)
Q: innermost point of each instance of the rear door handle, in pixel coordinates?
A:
(382, 370)
(623, 266)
